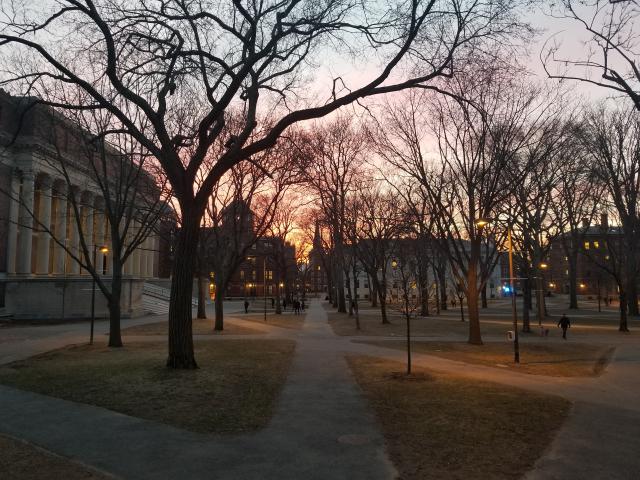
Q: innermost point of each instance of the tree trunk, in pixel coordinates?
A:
(442, 279)
(483, 296)
(181, 353)
(218, 324)
(475, 337)
(624, 327)
(115, 337)
(355, 296)
(202, 306)
(424, 291)
(347, 281)
(340, 280)
(383, 302)
(408, 317)
(573, 281)
(526, 323)
(373, 293)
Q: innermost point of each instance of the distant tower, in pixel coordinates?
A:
(318, 275)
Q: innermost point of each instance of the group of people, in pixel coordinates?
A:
(298, 306)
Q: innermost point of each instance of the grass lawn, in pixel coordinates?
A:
(554, 359)
(285, 320)
(22, 461)
(200, 327)
(439, 426)
(371, 325)
(234, 390)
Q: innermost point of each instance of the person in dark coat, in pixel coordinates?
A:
(564, 323)
(246, 306)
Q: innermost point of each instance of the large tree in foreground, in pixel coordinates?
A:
(181, 65)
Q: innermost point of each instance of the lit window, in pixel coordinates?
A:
(596, 244)
(269, 274)
(586, 245)
(241, 274)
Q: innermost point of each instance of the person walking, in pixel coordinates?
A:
(246, 306)
(564, 323)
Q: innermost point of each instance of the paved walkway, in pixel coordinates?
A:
(322, 429)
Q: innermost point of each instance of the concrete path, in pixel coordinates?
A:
(322, 429)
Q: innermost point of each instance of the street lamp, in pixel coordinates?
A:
(480, 223)
(104, 250)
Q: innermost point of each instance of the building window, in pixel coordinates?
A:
(586, 245)
(241, 274)
(269, 274)
(253, 275)
(596, 244)
(254, 246)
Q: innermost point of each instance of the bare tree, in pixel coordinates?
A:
(334, 175)
(610, 59)
(179, 66)
(405, 271)
(613, 140)
(241, 210)
(481, 130)
(377, 228)
(280, 230)
(576, 198)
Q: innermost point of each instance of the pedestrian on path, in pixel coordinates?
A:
(564, 323)
(246, 306)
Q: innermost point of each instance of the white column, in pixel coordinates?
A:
(127, 267)
(87, 224)
(135, 268)
(14, 209)
(73, 266)
(149, 257)
(59, 253)
(25, 219)
(44, 237)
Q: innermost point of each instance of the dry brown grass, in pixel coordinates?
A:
(371, 325)
(553, 359)
(200, 327)
(22, 461)
(448, 428)
(234, 390)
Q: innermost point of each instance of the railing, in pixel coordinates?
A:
(161, 293)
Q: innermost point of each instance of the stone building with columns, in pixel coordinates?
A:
(38, 278)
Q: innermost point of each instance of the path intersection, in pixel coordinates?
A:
(322, 427)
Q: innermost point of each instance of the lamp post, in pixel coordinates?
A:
(480, 223)
(542, 308)
(103, 249)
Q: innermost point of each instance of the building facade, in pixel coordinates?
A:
(38, 278)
